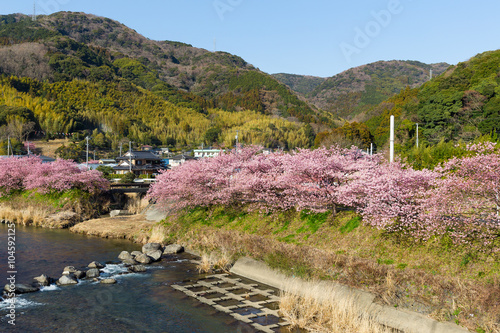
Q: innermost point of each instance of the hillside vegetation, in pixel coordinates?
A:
(356, 90)
(461, 105)
(303, 84)
(64, 46)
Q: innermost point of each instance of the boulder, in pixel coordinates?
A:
(79, 274)
(69, 270)
(150, 247)
(173, 249)
(108, 281)
(143, 259)
(129, 262)
(93, 273)
(124, 255)
(20, 288)
(137, 268)
(95, 264)
(43, 280)
(67, 280)
(136, 253)
(155, 255)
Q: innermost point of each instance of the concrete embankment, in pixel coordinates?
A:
(404, 321)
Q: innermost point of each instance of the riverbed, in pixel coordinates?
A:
(139, 302)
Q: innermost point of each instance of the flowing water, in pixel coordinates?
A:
(139, 302)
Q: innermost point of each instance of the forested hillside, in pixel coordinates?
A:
(461, 105)
(64, 46)
(303, 84)
(352, 93)
(115, 111)
(82, 74)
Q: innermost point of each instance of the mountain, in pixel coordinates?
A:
(78, 74)
(66, 45)
(356, 90)
(303, 84)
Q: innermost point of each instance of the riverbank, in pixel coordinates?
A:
(51, 210)
(436, 279)
(443, 283)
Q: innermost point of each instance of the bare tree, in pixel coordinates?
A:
(19, 129)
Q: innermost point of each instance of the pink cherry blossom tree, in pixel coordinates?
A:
(29, 173)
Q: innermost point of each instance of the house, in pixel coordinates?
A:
(202, 153)
(107, 161)
(161, 151)
(179, 159)
(139, 162)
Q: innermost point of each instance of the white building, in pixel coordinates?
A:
(202, 153)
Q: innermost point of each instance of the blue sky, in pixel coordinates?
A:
(319, 38)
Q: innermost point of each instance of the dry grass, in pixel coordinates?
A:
(28, 215)
(211, 262)
(158, 235)
(136, 205)
(133, 227)
(48, 148)
(333, 313)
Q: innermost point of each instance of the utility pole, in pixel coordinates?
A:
(237, 132)
(130, 156)
(371, 149)
(94, 154)
(87, 155)
(391, 152)
(417, 135)
(8, 146)
(121, 145)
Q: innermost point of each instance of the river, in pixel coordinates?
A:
(139, 302)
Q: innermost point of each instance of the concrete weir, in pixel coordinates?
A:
(404, 321)
(250, 303)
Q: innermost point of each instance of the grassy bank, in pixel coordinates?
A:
(53, 210)
(436, 278)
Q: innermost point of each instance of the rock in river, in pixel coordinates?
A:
(20, 288)
(95, 264)
(124, 255)
(173, 249)
(128, 262)
(68, 270)
(67, 280)
(93, 273)
(155, 255)
(43, 280)
(137, 268)
(136, 253)
(150, 247)
(108, 281)
(79, 274)
(143, 259)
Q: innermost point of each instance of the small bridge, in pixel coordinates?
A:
(130, 188)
